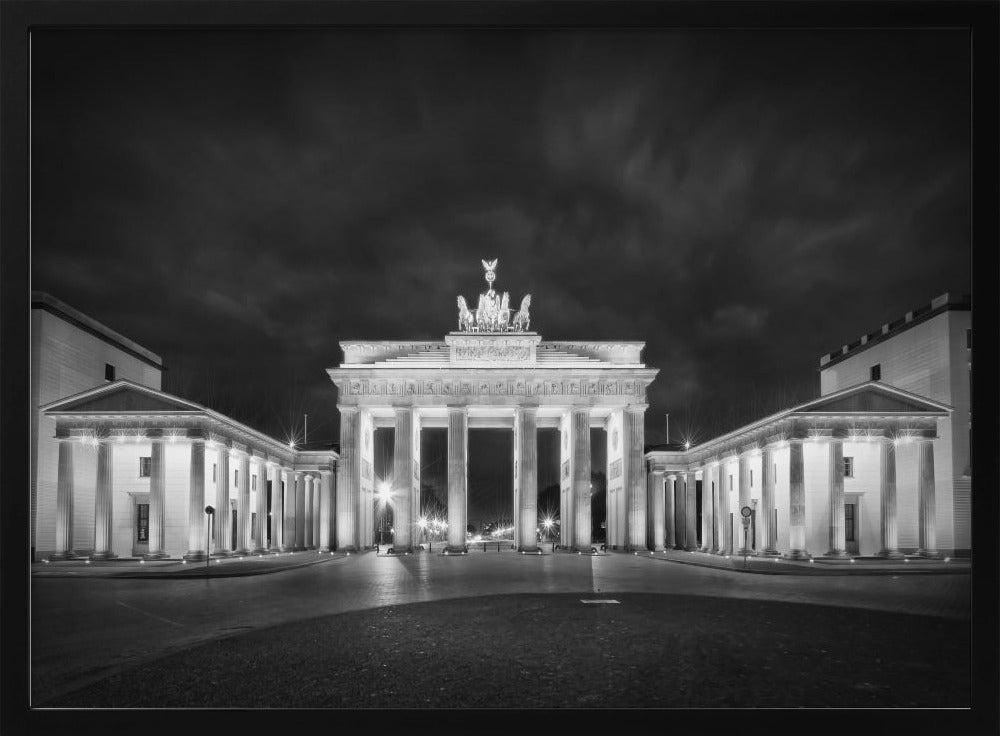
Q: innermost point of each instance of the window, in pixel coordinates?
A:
(213, 473)
(751, 477)
(145, 463)
(109, 372)
(876, 372)
(730, 482)
(236, 477)
(848, 467)
(142, 523)
(848, 521)
(253, 482)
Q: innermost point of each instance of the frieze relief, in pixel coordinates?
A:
(511, 387)
(616, 469)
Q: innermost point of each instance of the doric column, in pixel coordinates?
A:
(580, 448)
(838, 543)
(796, 502)
(744, 495)
(401, 484)
(260, 532)
(64, 501)
(300, 511)
(765, 520)
(196, 502)
(888, 525)
(157, 483)
(707, 508)
(277, 509)
(527, 475)
(325, 510)
(288, 525)
(690, 511)
(349, 479)
(317, 509)
(927, 512)
(103, 502)
(724, 522)
(669, 517)
(243, 511)
(308, 484)
(657, 497)
(223, 519)
(458, 474)
(718, 470)
(634, 435)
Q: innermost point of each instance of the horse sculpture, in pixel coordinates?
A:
(466, 321)
(522, 319)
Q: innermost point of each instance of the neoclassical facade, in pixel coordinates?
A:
(853, 473)
(493, 373)
(137, 468)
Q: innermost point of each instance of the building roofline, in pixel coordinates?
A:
(939, 305)
(59, 308)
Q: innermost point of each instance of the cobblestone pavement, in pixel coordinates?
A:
(86, 629)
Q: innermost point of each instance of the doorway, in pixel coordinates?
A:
(851, 526)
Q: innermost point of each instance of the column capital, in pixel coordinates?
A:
(458, 408)
(528, 407)
(636, 407)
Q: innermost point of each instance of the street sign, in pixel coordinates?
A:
(746, 511)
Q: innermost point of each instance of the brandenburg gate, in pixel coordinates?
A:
(493, 372)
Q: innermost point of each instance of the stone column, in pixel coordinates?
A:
(325, 510)
(690, 512)
(657, 510)
(458, 474)
(157, 483)
(317, 509)
(243, 538)
(580, 448)
(634, 434)
(64, 501)
(197, 540)
(348, 479)
(103, 501)
(888, 525)
(223, 519)
(744, 493)
(307, 481)
(927, 512)
(288, 528)
(707, 508)
(527, 439)
(796, 503)
(768, 534)
(277, 510)
(300, 511)
(718, 520)
(260, 533)
(669, 517)
(402, 470)
(725, 509)
(838, 544)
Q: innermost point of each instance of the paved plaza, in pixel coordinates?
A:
(119, 623)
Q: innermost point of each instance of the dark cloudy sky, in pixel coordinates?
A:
(743, 201)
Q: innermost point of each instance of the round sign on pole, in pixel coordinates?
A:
(746, 511)
(209, 510)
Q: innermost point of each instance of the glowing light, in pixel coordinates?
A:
(852, 559)
(184, 562)
(45, 561)
(548, 523)
(87, 561)
(687, 445)
(906, 559)
(142, 562)
(422, 522)
(947, 559)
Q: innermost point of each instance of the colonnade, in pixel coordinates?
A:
(674, 502)
(301, 511)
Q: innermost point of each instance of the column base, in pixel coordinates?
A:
(260, 551)
(837, 554)
(930, 554)
(98, 556)
(776, 553)
(242, 553)
(155, 556)
(195, 555)
(658, 547)
(794, 554)
(56, 556)
(345, 548)
(891, 554)
(745, 552)
(303, 549)
(222, 553)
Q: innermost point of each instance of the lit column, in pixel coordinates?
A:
(260, 532)
(196, 502)
(64, 501)
(402, 469)
(288, 525)
(690, 512)
(308, 484)
(707, 515)
(103, 502)
(527, 439)
(243, 527)
(277, 509)
(580, 448)
(670, 536)
(744, 493)
(223, 518)
(720, 509)
(888, 527)
(458, 473)
(838, 543)
(657, 509)
(634, 435)
(317, 506)
(348, 479)
(300, 512)
(325, 510)
(928, 510)
(796, 503)
(157, 481)
(765, 520)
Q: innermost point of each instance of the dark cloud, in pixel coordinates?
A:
(742, 201)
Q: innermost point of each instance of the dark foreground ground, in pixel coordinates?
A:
(545, 651)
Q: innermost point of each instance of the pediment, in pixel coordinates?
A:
(122, 397)
(872, 398)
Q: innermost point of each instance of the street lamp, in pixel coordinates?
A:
(208, 533)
